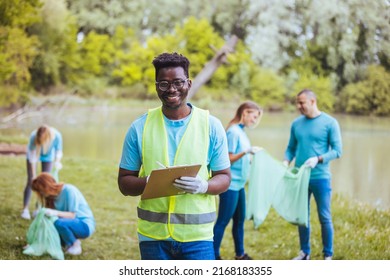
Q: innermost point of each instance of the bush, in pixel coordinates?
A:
(370, 96)
(267, 89)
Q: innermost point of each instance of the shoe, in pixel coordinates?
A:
(302, 256)
(243, 257)
(25, 214)
(328, 258)
(75, 249)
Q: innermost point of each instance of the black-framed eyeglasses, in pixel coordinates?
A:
(165, 85)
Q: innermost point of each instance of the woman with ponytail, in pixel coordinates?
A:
(232, 202)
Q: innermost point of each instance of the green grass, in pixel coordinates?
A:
(13, 139)
(361, 232)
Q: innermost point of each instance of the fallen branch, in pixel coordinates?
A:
(208, 70)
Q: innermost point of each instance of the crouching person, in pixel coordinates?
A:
(75, 218)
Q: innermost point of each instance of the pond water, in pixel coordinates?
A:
(361, 174)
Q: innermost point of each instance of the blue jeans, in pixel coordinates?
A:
(70, 230)
(231, 205)
(322, 192)
(174, 250)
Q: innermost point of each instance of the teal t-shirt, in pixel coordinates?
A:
(72, 200)
(311, 137)
(217, 159)
(238, 142)
(55, 145)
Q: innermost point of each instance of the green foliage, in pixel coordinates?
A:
(69, 56)
(55, 55)
(198, 41)
(353, 32)
(17, 53)
(17, 49)
(313, 61)
(267, 89)
(329, 40)
(12, 95)
(96, 51)
(194, 38)
(131, 59)
(19, 13)
(370, 96)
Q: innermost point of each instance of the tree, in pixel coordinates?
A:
(276, 28)
(370, 96)
(268, 89)
(355, 33)
(17, 48)
(57, 57)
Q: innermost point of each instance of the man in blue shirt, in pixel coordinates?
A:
(315, 140)
(176, 133)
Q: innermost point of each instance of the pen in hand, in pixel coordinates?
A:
(161, 165)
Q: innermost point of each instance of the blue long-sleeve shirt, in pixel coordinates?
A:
(310, 137)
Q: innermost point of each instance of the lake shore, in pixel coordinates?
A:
(12, 149)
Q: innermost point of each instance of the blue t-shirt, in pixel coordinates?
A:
(55, 145)
(72, 200)
(238, 142)
(311, 137)
(217, 159)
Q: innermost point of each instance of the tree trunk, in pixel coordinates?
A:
(210, 67)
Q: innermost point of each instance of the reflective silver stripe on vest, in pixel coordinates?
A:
(195, 219)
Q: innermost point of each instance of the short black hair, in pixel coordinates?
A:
(165, 60)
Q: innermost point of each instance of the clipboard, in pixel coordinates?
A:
(160, 182)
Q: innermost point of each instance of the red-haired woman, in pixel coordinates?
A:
(75, 218)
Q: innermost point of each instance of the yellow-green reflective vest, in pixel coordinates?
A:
(188, 217)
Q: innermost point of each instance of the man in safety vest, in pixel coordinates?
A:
(176, 133)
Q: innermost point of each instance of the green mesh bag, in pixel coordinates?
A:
(54, 172)
(43, 237)
(271, 184)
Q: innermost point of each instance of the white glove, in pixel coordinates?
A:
(32, 156)
(253, 150)
(311, 162)
(285, 163)
(58, 165)
(58, 155)
(51, 212)
(191, 184)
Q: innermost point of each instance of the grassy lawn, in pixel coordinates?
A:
(361, 232)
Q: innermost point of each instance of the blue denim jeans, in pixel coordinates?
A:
(231, 205)
(322, 191)
(174, 250)
(70, 230)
